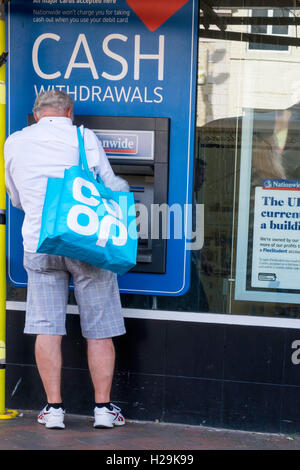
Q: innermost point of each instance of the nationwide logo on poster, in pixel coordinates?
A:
(281, 184)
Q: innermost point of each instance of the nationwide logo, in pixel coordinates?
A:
(119, 144)
(281, 184)
(268, 184)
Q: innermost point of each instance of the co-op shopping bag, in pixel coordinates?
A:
(85, 220)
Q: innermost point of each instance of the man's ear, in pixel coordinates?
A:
(69, 112)
(35, 117)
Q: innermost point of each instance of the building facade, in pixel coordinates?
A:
(226, 353)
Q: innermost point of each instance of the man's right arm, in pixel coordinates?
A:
(9, 182)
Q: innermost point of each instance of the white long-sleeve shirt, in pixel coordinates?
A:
(45, 150)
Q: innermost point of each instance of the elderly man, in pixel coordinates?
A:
(39, 151)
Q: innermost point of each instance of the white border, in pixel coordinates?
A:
(149, 292)
(243, 205)
(194, 317)
(241, 291)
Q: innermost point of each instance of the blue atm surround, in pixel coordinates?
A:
(145, 73)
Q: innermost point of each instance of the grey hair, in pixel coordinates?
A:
(53, 99)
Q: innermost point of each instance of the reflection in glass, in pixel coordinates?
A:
(257, 77)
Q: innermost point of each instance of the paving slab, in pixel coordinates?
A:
(24, 433)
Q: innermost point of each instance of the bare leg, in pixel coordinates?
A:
(101, 360)
(49, 363)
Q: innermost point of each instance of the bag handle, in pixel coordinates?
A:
(105, 192)
(82, 155)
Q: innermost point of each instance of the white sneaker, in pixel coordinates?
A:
(52, 418)
(105, 418)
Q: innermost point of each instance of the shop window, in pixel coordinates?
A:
(248, 123)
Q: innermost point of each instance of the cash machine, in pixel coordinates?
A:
(138, 151)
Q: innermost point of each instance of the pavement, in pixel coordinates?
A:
(24, 433)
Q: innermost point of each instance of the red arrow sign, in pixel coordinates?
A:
(154, 13)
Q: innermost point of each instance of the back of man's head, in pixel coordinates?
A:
(53, 103)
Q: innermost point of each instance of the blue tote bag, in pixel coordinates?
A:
(85, 220)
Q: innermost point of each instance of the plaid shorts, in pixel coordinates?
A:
(96, 292)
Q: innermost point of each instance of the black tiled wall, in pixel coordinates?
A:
(236, 377)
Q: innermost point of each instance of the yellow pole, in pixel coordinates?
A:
(4, 414)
